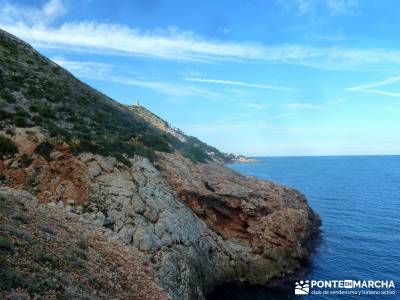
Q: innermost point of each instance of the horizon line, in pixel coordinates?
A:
(320, 155)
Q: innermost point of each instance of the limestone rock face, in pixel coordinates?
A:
(202, 225)
(268, 227)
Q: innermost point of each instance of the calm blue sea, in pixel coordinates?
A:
(358, 199)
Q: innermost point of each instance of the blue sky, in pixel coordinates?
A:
(300, 77)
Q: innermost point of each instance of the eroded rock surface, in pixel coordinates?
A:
(204, 224)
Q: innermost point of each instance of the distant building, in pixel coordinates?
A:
(137, 103)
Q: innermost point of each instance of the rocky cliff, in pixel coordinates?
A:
(165, 199)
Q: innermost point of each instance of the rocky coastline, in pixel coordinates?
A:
(199, 225)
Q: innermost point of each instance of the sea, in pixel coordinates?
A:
(358, 199)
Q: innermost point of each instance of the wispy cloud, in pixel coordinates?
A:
(255, 105)
(334, 38)
(369, 88)
(374, 84)
(383, 93)
(30, 15)
(281, 116)
(241, 124)
(84, 68)
(336, 101)
(27, 23)
(334, 7)
(342, 6)
(303, 106)
(107, 72)
(169, 89)
(242, 84)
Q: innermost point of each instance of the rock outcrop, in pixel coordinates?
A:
(202, 224)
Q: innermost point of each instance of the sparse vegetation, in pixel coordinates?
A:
(6, 95)
(34, 265)
(10, 279)
(45, 228)
(44, 149)
(25, 160)
(6, 245)
(21, 218)
(82, 244)
(7, 146)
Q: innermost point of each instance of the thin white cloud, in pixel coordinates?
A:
(242, 84)
(303, 106)
(84, 68)
(30, 15)
(281, 116)
(343, 7)
(368, 88)
(379, 92)
(255, 105)
(336, 101)
(374, 84)
(335, 38)
(36, 25)
(168, 89)
(107, 72)
(333, 7)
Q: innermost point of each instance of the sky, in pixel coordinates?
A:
(256, 77)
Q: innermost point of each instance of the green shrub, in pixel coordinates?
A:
(47, 112)
(7, 246)
(10, 279)
(122, 159)
(156, 141)
(194, 153)
(34, 93)
(22, 234)
(7, 146)
(45, 228)
(55, 131)
(21, 218)
(82, 244)
(38, 120)
(34, 108)
(6, 95)
(4, 115)
(44, 149)
(83, 101)
(49, 260)
(20, 121)
(25, 160)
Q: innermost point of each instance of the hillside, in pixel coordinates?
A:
(35, 91)
(192, 147)
(103, 201)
